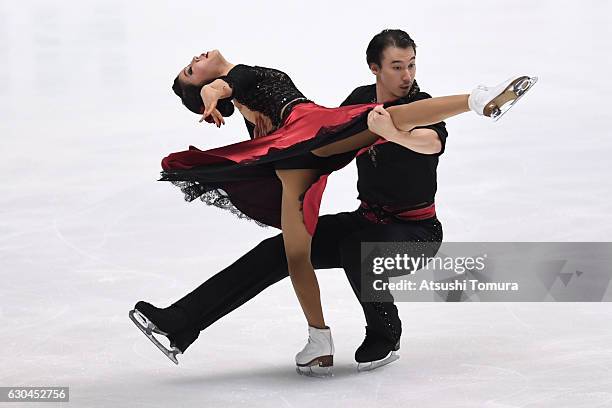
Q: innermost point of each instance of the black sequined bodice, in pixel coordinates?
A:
(264, 90)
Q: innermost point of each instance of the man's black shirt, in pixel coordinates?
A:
(390, 174)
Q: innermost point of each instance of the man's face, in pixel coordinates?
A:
(397, 72)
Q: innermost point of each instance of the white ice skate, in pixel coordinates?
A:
(317, 357)
(495, 101)
(148, 328)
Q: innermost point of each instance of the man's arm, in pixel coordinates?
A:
(434, 136)
(424, 140)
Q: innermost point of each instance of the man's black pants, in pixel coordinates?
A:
(335, 244)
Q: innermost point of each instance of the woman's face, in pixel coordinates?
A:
(202, 68)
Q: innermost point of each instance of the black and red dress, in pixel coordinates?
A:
(241, 177)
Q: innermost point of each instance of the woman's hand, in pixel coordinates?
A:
(380, 123)
(210, 96)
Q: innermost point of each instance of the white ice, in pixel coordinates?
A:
(86, 114)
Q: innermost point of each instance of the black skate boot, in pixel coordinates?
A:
(376, 351)
(170, 322)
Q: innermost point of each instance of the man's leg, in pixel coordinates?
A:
(381, 316)
(259, 268)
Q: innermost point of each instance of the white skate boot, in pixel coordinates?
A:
(317, 357)
(495, 101)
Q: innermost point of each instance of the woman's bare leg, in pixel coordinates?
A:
(354, 142)
(427, 111)
(297, 243)
(405, 117)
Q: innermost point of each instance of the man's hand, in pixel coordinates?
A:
(380, 123)
(210, 96)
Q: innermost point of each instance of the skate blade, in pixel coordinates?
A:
(519, 88)
(320, 367)
(148, 328)
(314, 371)
(373, 365)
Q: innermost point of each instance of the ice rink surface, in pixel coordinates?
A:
(86, 114)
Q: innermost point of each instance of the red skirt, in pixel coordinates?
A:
(241, 177)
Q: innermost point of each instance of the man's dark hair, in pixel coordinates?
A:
(387, 38)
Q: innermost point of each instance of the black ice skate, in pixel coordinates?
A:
(142, 316)
(376, 351)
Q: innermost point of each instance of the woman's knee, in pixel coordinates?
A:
(298, 258)
(296, 179)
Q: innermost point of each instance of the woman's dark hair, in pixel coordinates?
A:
(384, 39)
(190, 96)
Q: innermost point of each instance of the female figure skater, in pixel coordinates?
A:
(278, 177)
